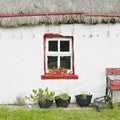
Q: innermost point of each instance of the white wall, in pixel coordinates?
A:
(21, 59)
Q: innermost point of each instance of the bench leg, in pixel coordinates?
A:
(111, 99)
(97, 107)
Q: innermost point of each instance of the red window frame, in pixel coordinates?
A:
(68, 76)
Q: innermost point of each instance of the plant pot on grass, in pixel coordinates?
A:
(83, 99)
(46, 103)
(62, 100)
(44, 98)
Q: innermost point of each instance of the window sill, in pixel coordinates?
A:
(59, 76)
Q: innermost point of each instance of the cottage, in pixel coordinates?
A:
(60, 44)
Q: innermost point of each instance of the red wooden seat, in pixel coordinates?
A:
(114, 85)
(113, 71)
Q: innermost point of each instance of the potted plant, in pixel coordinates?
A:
(44, 98)
(83, 99)
(62, 100)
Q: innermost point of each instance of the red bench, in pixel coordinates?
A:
(112, 80)
(112, 84)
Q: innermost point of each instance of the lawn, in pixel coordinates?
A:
(59, 114)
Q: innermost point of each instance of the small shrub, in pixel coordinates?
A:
(84, 95)
(41, 95)
(63, 96)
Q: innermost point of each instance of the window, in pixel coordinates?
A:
(58, 54)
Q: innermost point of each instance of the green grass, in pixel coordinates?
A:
(59, 114)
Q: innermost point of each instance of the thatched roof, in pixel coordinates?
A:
(22, 12)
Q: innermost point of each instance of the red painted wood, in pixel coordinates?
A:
(114, 85)
(52, 35)
(58, 13)
(103, 15)
(59, 76)
(113, 71)
(39, 14)
(73, 56)
(44, 44)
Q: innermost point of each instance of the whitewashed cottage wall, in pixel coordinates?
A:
(21, 59)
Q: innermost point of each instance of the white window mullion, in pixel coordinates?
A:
(58, 61)
(58, 53)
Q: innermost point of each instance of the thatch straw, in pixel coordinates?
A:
(30, 6)
(89, 6)
(35, 20)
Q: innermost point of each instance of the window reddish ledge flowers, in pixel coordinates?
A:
(59, 73)
(58, 57)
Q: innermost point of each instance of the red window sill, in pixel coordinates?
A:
(59, 76)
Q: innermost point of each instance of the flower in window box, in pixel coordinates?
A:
(62, 71)
(52, 71)
(58, 71)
